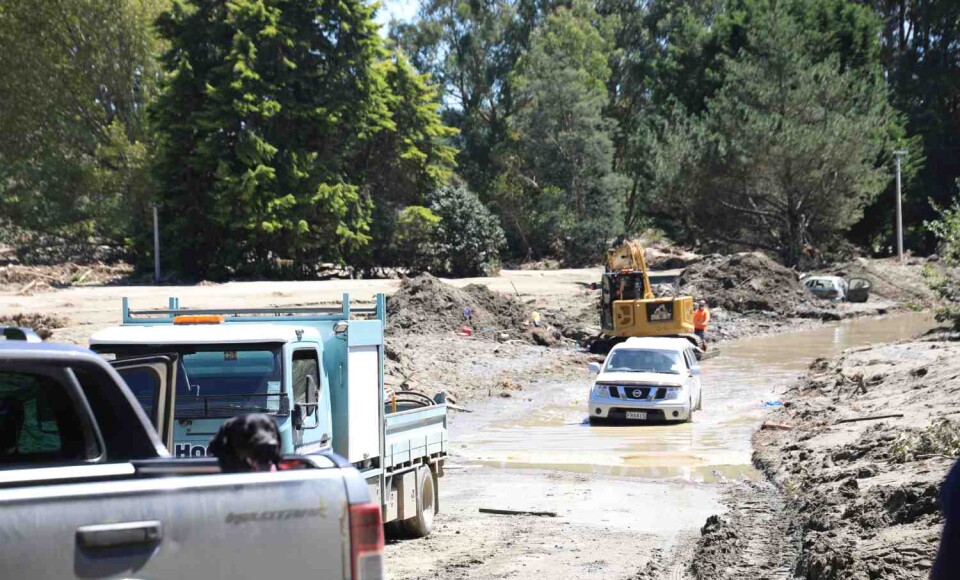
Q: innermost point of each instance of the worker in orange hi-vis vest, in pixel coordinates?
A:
(701, 317)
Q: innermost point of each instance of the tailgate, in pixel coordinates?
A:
(252, 525)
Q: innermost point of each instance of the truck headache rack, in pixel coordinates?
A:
(283, 314)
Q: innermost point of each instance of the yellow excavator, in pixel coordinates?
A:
(629, 308)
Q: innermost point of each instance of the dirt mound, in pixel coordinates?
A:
(427, 305)
(42, 324)
(748, 282)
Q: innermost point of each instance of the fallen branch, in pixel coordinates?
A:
(83, 277)
(938, 455)
(870, 418)
(768, 426)
(517, 512)
(26, 289)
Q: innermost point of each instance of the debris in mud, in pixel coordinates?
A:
(42, 324)
(33, 279)
(750, 282)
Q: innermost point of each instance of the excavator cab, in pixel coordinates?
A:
(628, 305)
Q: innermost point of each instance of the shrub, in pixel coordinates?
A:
(469, 236)
(944, 282)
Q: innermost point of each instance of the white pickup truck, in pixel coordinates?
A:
(87, 489)
(317, 371)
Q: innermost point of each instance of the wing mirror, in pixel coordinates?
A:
(594, 368)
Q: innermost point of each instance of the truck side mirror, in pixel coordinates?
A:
(594, 368)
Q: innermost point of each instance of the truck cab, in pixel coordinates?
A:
(317, 371)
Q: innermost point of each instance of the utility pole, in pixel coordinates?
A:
(156, 244)
(899, 155)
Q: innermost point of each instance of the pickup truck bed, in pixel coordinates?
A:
(197, 526)
(88, 491)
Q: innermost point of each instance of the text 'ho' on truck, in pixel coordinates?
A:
(318, 371)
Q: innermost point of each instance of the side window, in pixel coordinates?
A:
(38, 422)
(145, 384)
(305, 363)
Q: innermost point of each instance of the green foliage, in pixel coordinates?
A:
(944, 281)
(921, 55)
(74, 140)
(469, 236)
(406, 163)
(785, 153)
(276, 142)
(942, 437)
(558, 190)
(415, 240)
(947, 231)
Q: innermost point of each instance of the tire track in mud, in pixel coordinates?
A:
(757, 538)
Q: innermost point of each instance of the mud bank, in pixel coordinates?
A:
(851, 498)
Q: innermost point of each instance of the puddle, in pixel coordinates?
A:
(549, 432)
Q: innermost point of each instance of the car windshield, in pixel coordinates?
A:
(220, 381)
(644, 361)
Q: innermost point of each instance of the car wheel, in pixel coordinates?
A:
(594, 421)
(690, 413)
(700, 402)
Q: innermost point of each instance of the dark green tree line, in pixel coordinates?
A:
(75, 141)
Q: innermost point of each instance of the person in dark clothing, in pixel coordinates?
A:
(947, 564)
(247, 443)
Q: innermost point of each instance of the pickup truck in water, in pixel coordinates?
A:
(88, 490)
(317, 371)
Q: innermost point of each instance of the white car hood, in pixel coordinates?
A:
(654, 379)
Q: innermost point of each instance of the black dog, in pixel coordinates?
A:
(247, 443)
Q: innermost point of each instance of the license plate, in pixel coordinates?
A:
(636, 415)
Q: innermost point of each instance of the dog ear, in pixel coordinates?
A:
(218, 445)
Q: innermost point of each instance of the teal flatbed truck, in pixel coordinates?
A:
(317, 371)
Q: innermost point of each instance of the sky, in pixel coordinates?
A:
(402, 10)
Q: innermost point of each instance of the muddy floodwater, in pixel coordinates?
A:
(548, 430)
(644, 490)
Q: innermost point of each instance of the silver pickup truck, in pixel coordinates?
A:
(88, 490)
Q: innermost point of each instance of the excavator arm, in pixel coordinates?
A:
(630, 256)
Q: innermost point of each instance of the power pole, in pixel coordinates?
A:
(899, 155)
(156, 244)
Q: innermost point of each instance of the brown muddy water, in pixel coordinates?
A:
(546, 428)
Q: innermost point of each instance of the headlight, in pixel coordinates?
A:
(601, 390)
(673, 393)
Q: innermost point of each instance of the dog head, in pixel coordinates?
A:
(247, 443)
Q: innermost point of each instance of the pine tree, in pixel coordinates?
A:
(559, 183)
(787, 152)
(273, 120)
